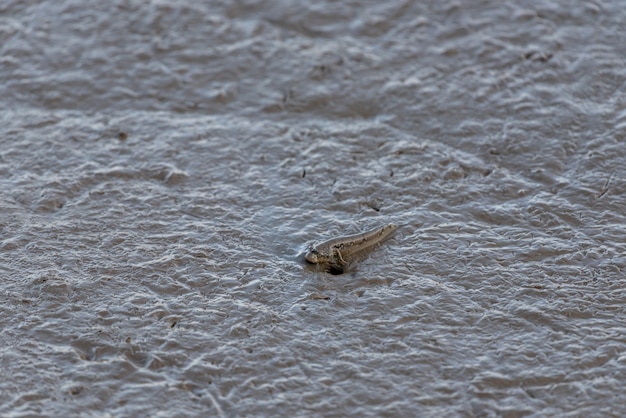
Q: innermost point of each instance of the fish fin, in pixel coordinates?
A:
(341, 260)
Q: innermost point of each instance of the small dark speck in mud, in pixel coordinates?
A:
(173, 324)
(605, 188)
(122, 136)
(76, 390)
(303, 173)
(545, 57)
(536, 56)
(372, 205)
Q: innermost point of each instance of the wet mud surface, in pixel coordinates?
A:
(164, 168)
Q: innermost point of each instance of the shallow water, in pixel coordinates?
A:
(163, 169)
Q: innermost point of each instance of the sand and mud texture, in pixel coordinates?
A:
(164, 165)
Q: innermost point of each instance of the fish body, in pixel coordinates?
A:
(335, 252)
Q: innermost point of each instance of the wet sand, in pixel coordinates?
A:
(163, 169)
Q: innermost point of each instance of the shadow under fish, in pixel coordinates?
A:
(336, 255)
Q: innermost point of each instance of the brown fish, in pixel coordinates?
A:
(335, 252)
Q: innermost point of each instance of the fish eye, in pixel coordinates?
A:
(314, 251)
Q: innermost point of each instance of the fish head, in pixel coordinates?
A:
(313, 256)
(320, 254)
